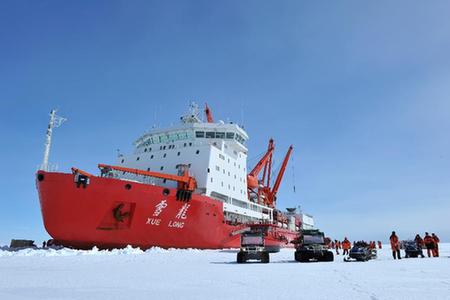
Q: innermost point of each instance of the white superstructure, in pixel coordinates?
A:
(217, 157)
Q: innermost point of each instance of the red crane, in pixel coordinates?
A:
(252, 177)
(184, 180)
(262, 187)
(272, 195)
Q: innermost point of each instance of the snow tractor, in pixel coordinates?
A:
(253, 247)
(361, 252)
(310, 245)
(411, 249)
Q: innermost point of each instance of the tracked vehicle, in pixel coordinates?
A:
(310, 246)
(253, 246)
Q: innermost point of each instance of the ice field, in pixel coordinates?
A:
(213, 274)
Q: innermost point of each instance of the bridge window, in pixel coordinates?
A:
(220, 135)
(210, 135)
(200, 134)
(230, 135)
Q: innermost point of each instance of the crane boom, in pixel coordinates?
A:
(268, 165)
(252, 177)
(276, 185)
(187, 182)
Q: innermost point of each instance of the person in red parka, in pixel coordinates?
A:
(436, 245)
(346, 245)
(429, 244)
(395, 246)
(379, 245)
(337, 246)
(419, 242)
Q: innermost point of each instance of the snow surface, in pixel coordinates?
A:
(213, 274)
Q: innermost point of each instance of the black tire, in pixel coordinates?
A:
(265, 257)
(301, 257)
(328, 256)
(241, 258)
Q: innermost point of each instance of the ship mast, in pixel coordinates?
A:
(55, 121)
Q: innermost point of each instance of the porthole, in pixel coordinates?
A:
(197, 152)
(40, 177)
(137, 158)
(123, 160)
(128, 186)
(166, 192)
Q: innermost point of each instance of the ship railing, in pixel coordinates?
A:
(48, 167)
(130, 176)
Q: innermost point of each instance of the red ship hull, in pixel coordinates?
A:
(113, 213)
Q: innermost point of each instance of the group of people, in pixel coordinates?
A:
(430, 242)
(346, 245)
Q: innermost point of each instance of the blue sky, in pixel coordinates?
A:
(361, 88)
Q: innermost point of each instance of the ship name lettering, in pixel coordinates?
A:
(159, 208)
(176, 224)
(182, 213)
(153, 221)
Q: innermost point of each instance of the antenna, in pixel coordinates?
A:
(242, 115)
(55, 121)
